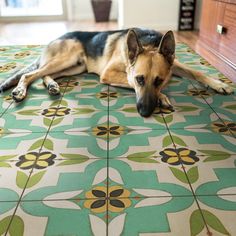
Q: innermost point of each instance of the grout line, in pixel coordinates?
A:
(212, 108)
(108, 150)
(5, 111)
(189, 183)
(142, 197)
(31, 171)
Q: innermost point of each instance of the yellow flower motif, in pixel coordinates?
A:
(8, 98)
(162, 110)
(37, 160)
(113, 131)
(3, 49)
(56, 111)
(7, 67)
(1, 131)
(198, 93)
(22, 54)
(117, 199)
(205, 63)
(178, 156)
(225, 80)
(106, 94)
(224, 128)
(70, 84)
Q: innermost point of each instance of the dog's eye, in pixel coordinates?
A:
(157, 82)
(140, 80)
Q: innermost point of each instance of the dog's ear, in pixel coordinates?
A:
(133, 45)
(167, 47)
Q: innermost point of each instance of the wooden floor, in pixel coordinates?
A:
(44, 32)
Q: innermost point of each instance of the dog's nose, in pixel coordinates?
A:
(145, 111)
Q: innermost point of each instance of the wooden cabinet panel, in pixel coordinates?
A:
(208, 22)
(219, 12)
(227, 44)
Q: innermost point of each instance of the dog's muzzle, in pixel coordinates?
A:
(146, 106)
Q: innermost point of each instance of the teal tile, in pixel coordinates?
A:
(12, 182)
(121, 90)
(137, 143)
(190, 97)
(59, 180)
(218, 100)
(17, 142)
(199, 140)
(86, 143)
(174, 216)
(29, 120)
(138, 179)
(6, 215)
(129, 118)
(213, 174)
(218, 212)
(191, 117)
(46, 217)
(122, 101)
(83, 84)
(76, 120)
(87, 102)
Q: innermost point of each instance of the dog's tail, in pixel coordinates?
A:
(14, 79)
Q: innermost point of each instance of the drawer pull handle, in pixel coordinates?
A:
(220, 29)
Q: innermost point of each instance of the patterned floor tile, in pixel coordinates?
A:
(30, 119)
(159, 216)
(202, 140)
(66, 179)
(190, 98)
(46, 217)
(213, 174)
(217, 101)
(78, 119)
(129, 118)
(190, 117)
(87, 158)
(90, 144)
(12, 181)
(14, 144)
(83, 84)
(218, 212)
(138, 179)
(6, 215)
(146, 143)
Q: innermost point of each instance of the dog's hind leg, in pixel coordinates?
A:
(182, 70)
(52, 85)
(54, 66)
(66, 54)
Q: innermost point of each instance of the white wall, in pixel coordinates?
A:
(82, 10)
(157, 14)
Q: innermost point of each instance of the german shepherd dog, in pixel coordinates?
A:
(143, 60)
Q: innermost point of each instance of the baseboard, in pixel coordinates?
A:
(160, 27)
(219, 55)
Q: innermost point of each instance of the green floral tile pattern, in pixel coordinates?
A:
(85, 163)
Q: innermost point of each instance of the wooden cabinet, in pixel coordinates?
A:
(223, 13)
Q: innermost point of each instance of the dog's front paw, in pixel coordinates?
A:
(19, 93)
(53, 88)
(165, 102)
(222, 88)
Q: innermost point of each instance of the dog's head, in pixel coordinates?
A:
(149, 69)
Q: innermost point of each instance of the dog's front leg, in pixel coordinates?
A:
(164, 101)
(115, 77)
(182, 70)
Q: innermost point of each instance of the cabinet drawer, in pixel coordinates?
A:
(227, 45)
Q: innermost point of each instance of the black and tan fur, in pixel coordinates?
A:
(140, 59)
